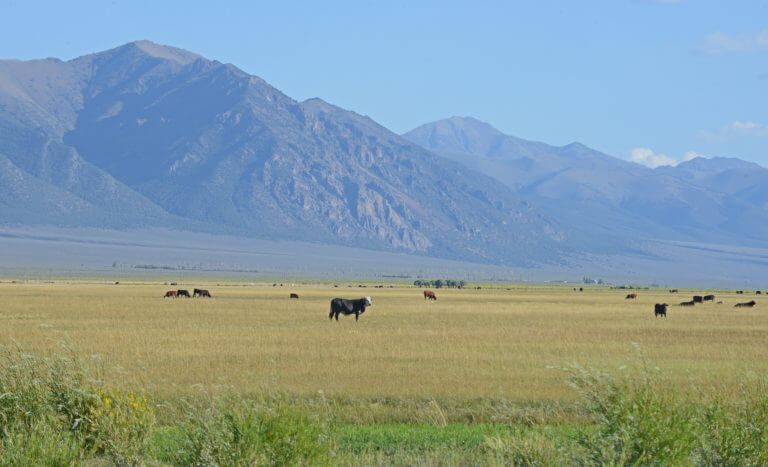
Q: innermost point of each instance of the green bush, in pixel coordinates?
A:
(235, 431)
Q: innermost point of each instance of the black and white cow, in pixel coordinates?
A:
(348, 307)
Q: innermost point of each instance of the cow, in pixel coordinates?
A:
(428, 294)
(691, 303)
(171, 293)
(739, 292)
(757, 292)
(581, 289)
(672, 290)
(182, 293)
(660, 309)
(749, 304)
(201, 293)
(294, 295)
(348, 307)
(709, 298)
(631, 296)
(698, 299)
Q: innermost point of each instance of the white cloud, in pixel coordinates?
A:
(734, 131)
(650, 159)
(719, 43)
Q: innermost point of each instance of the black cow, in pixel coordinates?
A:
(183, 293)
(691, 303)
(757, 292)
(709, 298)
(739, 292)
(348, 307)
(698, 299)
(294, 295)
(660, 309)
(673, 291)
(749, 304)
(201, 293)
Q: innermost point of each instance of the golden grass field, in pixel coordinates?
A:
(470, 343)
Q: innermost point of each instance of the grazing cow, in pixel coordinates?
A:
(660, 309)
(673, 291)
(739, 292)
(631, 295)
(757, 292)
(709, 298)
(118, 283)
(691, 303)
(294, 295)
(174, 283)
(749, 304)
(171, 293)
(183, 293)
(348, 307)
(428, 294)
(720, 302)
(201, 293)
(698, 299)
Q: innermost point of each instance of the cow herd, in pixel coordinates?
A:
(185, 293)
(357, 306)
(660, 309)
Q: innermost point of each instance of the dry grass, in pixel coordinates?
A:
(487, 343)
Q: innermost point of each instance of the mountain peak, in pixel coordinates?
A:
(150, 49)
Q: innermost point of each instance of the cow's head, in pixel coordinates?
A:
(367, 301)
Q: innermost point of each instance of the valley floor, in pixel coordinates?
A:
(498, 375)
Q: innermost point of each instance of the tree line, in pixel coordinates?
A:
(439, 283)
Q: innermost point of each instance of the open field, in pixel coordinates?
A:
(469, 344)
(116, 373)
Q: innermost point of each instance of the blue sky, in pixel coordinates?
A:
(655, 80)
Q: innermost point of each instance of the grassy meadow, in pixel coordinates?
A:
(498, 375)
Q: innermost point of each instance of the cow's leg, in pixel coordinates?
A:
(337, 316)
(357, 315)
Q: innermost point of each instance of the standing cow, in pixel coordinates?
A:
(428, 294)
(631, 296)
(660, 309)
(349, 307)
(171, 293)
(201, 293)
(182, 293)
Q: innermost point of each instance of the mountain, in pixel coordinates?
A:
(150, 135)
(736, 177)
(601, 193)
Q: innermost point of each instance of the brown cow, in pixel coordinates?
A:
(428, 294)
(171, 293)
(631, 295)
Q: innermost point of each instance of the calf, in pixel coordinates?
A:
(660, 309)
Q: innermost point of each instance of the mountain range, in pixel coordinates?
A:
(146, 135)
(703, 200)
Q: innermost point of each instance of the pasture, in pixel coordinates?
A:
(489, 343)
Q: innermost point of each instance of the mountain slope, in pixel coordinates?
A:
(584, 187)
(162, 136)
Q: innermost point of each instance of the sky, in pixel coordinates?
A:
(655, 81)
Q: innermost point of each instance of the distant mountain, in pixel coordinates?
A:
(149, 135)
(745, 180)
(594, 191)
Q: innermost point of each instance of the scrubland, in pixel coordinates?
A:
(523, 375)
